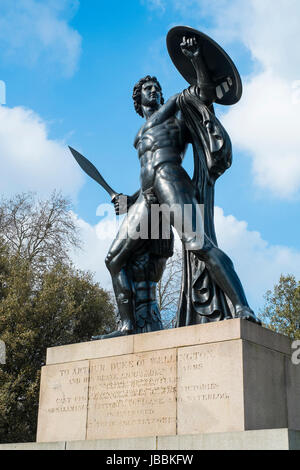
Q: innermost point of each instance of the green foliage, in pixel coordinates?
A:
(281, 312)
(42, 304)
(65, 307)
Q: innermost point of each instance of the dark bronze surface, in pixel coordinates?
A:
(211, 289)
(219, 64)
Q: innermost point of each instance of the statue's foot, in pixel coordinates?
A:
(245, 313)
(114, 334)
(125, 331)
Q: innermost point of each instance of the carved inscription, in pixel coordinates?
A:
(203, 392)
(210, 388)
(132, 395)
(76, 380)
(191, 362)
(63, 402)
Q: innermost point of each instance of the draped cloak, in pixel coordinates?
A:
(201, 299)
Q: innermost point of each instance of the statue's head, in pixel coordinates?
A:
(147, 92)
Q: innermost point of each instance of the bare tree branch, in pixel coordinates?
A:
(42, 232)
(168, 289)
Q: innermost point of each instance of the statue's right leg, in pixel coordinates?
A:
(127, 242)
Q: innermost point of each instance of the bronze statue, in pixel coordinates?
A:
(211, 289)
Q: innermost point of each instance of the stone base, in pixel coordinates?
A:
(222, 377)
(271, 439)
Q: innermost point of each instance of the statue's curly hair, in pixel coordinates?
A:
(137, 93)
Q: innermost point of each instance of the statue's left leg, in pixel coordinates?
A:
(174, 188)
(222, 271)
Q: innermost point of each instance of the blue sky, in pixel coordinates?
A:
(69, 68)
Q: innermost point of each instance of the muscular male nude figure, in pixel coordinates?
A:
(161, 144)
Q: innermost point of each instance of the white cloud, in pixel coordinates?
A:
(30, 160)
(155, 4)
(269, 29)
(31, 30)
(265, 122)
(96, 241)
(258, 264)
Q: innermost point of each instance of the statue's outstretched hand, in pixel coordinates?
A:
(190, 47)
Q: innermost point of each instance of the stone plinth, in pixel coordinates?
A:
(270, 439)
(230, 376)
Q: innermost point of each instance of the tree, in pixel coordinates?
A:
(41, 232)
(44, 302)
(168, 290)
(281, 312)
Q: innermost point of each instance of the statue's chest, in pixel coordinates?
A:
(152, 134)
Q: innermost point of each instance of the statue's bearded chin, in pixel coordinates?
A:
(150, 103)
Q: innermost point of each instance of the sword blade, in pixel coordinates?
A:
(92, 171)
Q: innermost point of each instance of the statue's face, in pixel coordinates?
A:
(150, 94)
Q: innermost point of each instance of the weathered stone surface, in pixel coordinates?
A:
(264, 337)
(224, 377)
(269, 439)
(188, 336)
(292, 384)
(63, 402)
(132, 395)
(141, 443)
(210, 388)
(90, 350)
(35, 446)
(264, 387)
(174, 338)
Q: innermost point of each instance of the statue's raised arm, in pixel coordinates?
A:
(211, 289)
(193, 51)
(201, 61)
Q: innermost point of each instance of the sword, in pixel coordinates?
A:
(92, 171)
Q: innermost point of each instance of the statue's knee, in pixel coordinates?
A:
(110, 264)
(108, 260)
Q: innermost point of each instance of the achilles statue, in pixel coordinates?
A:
(211, 289)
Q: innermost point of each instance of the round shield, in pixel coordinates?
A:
(222, 70)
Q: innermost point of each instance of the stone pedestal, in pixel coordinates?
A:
(269, 439)
(224, 377)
